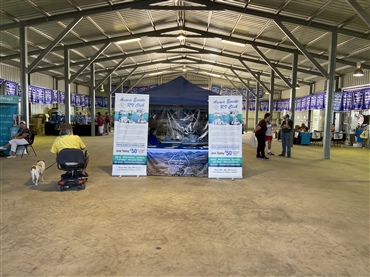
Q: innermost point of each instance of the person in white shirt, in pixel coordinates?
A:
(268, 137)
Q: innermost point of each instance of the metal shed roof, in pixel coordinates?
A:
(86, 27)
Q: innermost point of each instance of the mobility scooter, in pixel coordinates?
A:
(73, 162)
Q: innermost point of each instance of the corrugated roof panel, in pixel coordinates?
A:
(19, 9)
(224, 21)
(304, 9)
(110, 23)
(250, 26)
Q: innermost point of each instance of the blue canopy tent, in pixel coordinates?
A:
(178, 92)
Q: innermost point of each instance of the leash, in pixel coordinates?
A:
(51, 165)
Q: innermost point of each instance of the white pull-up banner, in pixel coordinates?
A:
(130, 134)
(225, 137)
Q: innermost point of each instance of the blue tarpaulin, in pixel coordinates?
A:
(178, 92)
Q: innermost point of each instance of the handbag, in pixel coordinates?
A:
(364, 134)
(253, 140)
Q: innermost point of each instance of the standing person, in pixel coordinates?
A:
(303, 128)
(107, 123)
(66, 139)
(268, 136)
(23, 136)
(152, 138)
(100, 122)
(286, 128)
(260, 132)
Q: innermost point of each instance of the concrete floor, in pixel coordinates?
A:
(303, 216)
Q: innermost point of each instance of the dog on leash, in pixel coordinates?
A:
(37, 171)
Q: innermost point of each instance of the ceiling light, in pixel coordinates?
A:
(102, 88)
(214, 75)
(184, 68)
(358, 72)
(181, 36)
(156, 73)
(233, 42)
(128, 40)
(297, 86)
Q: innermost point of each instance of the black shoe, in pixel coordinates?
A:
(265, 158)
(281, 155)
(270, 153)
(288, 156)
(258, 156)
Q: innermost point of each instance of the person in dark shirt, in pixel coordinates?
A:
(152, 138)
(260, 132)
(286, 128)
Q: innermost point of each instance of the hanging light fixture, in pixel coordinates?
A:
(102, 88)
(297, 86)
(358, 72)
(181, 36)
(184, 69)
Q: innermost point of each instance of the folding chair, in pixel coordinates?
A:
(27, 145)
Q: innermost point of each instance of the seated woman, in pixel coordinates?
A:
(303, 128)
(152, 138)
(23, 136)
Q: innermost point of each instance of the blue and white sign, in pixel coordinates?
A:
(337, 101)
(347, 100)
(99, 101)
(40, 95)
(48, 94)
(54, 96)
(216, 89)
(358, 99)
(62, 97)
(225, 137)
(264, 106)
(130, 135)
(10, 88)
(367, 98)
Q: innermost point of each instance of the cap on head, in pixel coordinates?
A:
(286, 116)
(65, 126)
(22, 122)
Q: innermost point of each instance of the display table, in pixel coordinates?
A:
(178, 159)
(80, 130)
(305, 138)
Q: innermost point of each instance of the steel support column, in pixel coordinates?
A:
(67, 87)
(92, 96)
(293, 92)
(271, 95)
(109, 96)
(24, 71)
(247, 104)
(309, 111)
(330, 92)
(257, 104)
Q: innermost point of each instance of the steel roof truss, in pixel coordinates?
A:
(54, 43)
(360, 11)
(133, 85)
(272, 66)
(91, 60)
(110, 72)
(255, 76)
(244, 83)
(124, 80)
(237, 89)
(301, 47)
